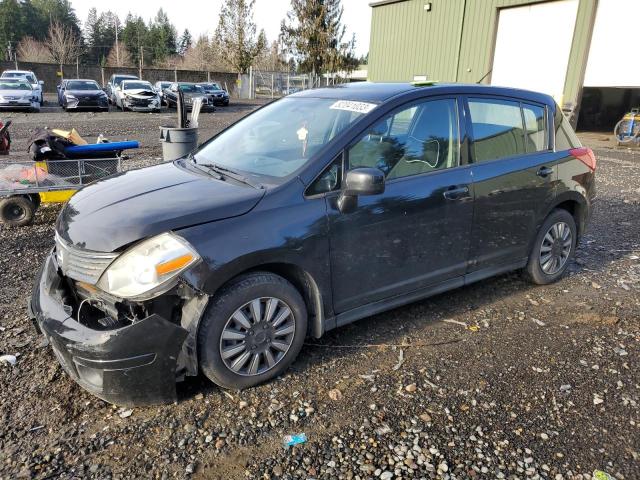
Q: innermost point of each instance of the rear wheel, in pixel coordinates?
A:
(17, 211)
(553, 248)
(252, 331)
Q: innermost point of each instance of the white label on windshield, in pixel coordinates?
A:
(358, 107)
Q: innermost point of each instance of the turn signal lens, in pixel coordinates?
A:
(173, 265)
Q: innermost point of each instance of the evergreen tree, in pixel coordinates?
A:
(314, 33)
(185, 42)
(236, 33)
(134, 36)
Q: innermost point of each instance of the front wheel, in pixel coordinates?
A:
(252, 331)
(553, 248)
(17, 211)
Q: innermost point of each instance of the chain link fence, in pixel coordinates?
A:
(272, 84)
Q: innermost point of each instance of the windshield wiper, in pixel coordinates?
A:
(230, 173)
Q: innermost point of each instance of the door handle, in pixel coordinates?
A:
(544, 172)
(456, 192)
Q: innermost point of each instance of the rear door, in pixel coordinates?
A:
(514, 173)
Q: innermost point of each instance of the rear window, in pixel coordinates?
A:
(129, 85)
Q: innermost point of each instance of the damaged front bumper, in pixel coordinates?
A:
(132, 364)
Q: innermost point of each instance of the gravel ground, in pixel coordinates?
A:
(497, 380)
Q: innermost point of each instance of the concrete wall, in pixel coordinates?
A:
(48, 73)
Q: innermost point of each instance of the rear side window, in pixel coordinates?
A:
(535, 127)
(497, 129)
(566, 138)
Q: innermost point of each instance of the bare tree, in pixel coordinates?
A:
(119, 56)
(63, 44)
(31, 50)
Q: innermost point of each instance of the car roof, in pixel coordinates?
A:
(18, 71)
(79, 80)
(124, 75)
(382, 92)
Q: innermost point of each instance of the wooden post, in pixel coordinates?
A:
(102, 75)
(77, 67)
(175, 74)
(272, 85)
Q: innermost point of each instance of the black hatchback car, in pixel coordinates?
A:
(316, 210)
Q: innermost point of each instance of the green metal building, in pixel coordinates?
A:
(554, 46)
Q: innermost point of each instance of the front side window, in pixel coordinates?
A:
(497, 129)
(415, 140)
(281, 137)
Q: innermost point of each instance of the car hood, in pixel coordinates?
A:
(16, 93)
(111, 213)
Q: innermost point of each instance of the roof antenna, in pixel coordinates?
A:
(485, 76)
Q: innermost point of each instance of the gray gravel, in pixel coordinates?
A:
(543, 382)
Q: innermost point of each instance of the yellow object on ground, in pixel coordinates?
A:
(59, 196)
(73, 136)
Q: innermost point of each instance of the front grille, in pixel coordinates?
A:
(81, 265)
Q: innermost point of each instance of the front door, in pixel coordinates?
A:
(415, 234)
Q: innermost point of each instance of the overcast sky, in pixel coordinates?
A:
(202, 16)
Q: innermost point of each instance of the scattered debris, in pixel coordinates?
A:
(411, 388)
(455, 322)
(597, 399)
(538, 322)
(292, 440)
(400, 361)
(600, 475)
(10, 359)
(125, 413)
(335, 394)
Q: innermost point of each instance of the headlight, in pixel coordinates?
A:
(71, 97)
(148, 268)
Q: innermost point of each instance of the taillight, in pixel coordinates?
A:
(585, 155)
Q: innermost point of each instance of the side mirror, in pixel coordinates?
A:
(360, 181)
(41, 82)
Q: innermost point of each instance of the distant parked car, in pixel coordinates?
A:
(159, 87)
(114, 81)
(18, 94)
(81, 93)
(217, 95)
(137, 95)
(37, 86)
(190, 91)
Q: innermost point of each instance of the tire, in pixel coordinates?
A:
(17, 211)
(240, 295)
(542, 269)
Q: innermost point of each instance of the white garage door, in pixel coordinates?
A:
(613, 57)
(533, 44)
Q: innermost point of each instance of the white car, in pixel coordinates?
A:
(37, 86)
(137, 95)
(17, 93)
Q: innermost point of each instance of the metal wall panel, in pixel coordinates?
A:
(455, 41)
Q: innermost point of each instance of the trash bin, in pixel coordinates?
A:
(178, 142)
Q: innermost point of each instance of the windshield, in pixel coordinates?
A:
(15, 86)
(280, 138)
(189, 88)
(136, 85)
(119, 80)
(211, 86)
(28, 76)
(82, 85)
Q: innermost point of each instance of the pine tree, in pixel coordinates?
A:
(185, 42)
(236, 33)
(313, 33)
